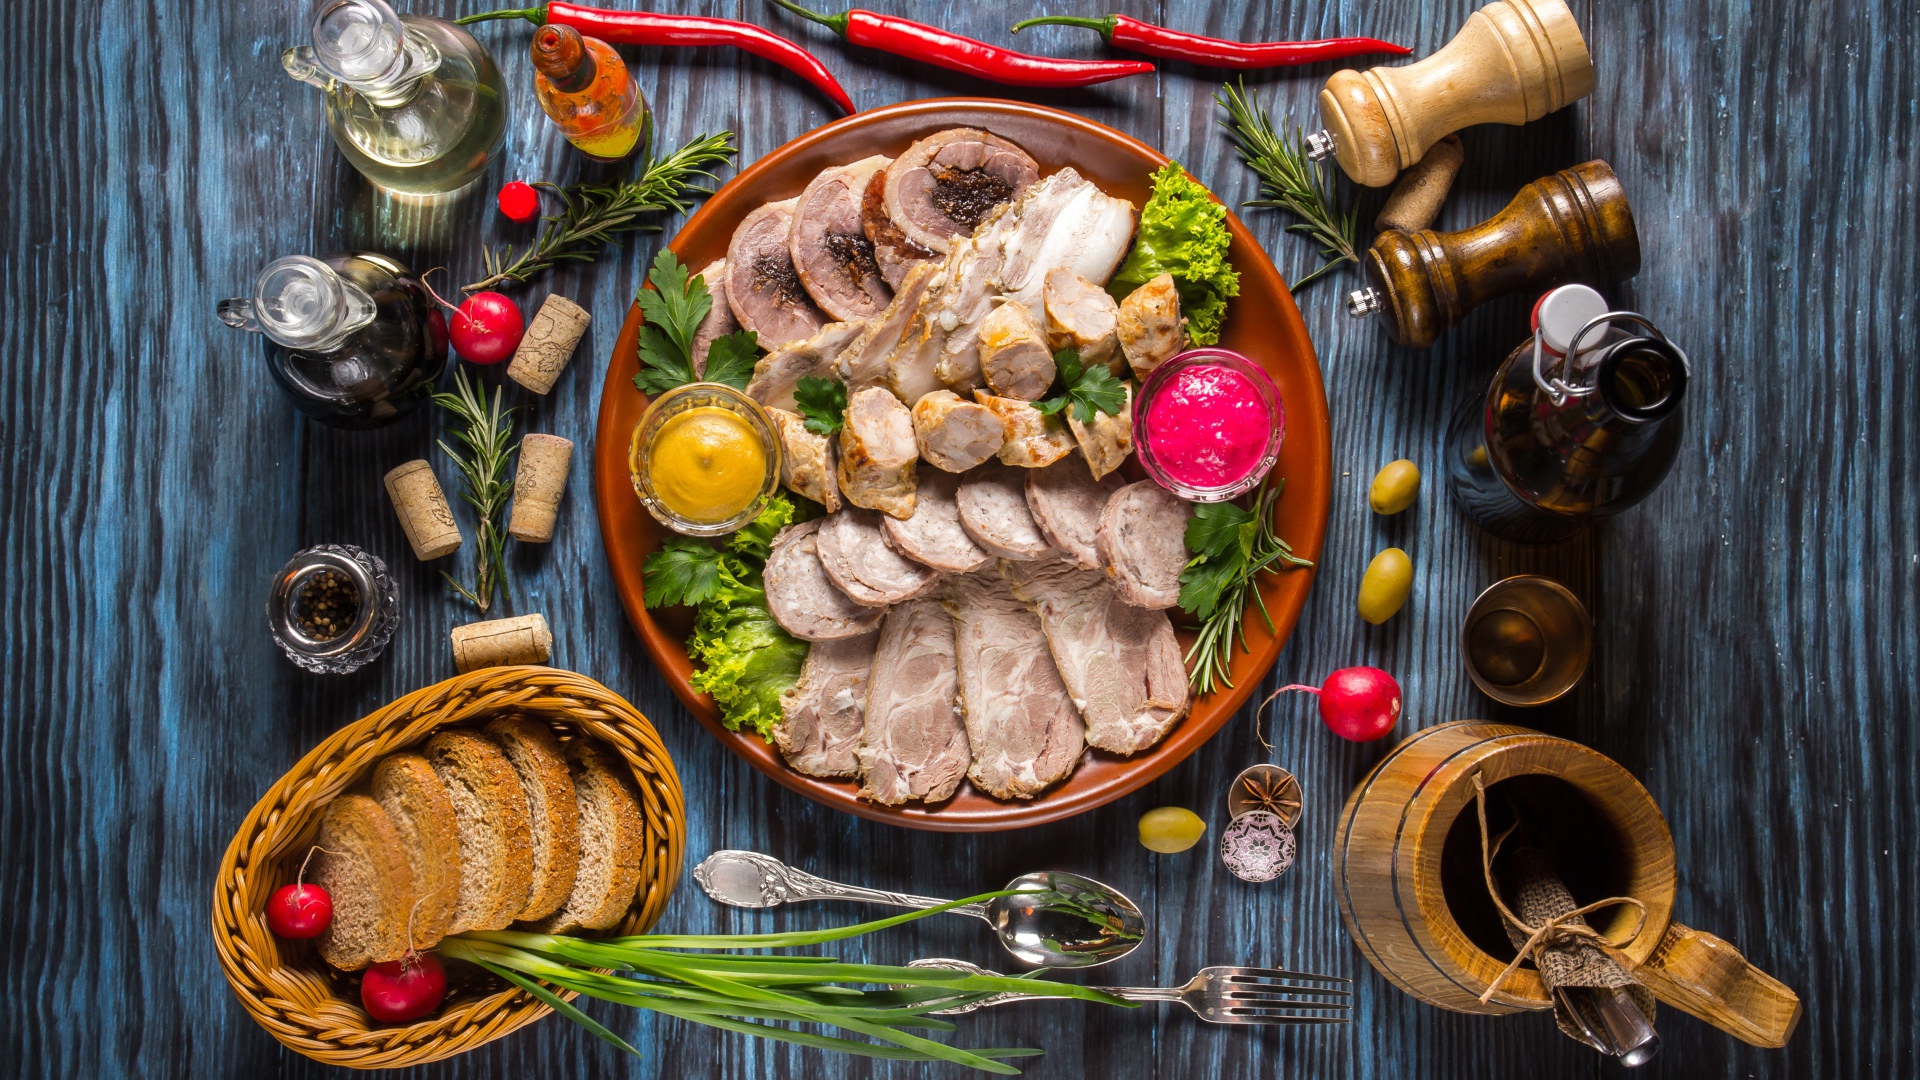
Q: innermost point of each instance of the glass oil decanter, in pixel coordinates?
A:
(1582, 421)
(415, 103)
(354, 339)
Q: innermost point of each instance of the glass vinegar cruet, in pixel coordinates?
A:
(415, 103)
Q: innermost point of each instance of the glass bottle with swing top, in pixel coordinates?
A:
(1582, 421)
(415, 103)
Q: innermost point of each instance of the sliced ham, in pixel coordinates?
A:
(719, 321)
(913, 745)
(955, 434)
(993, 511)
(1014, 358)
(806, 460)
(822, 715)
(934, 535)
(777, 374)
(857, 558)
(1066, 502)
(763, 288)
(829, 246)
(1141, 544)
(1022, 728)
(944, 186)
(1034, 439)
(802, 598)
(877, 453)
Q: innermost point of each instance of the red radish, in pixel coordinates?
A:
(487, 328)
(404, 989)
(299, 911)
(519, 201)
(1360, 704)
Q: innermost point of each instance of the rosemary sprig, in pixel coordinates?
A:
(596, 213)
(1290, 181)
(1233, 546)
(488, 436)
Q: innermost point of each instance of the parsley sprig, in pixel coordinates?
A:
(823, 402)
(683, 571)
(1085, 388)
(1231, 545)
(674, 309)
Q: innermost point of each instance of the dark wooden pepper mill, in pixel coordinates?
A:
(1573, 226)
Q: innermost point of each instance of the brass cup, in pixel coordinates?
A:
(1526, 640)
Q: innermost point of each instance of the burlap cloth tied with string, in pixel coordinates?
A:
(1551, 929)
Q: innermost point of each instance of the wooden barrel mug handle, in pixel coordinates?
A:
(1703, 976)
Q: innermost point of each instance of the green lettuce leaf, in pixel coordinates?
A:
(1183, 232)
(746, 660)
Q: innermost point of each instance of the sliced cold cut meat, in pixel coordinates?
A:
(1082, 317)
(857, 558)
(777, 374)
(806, 460)
(1034, 439)
(1150, 326)
(822, 715)
(802, 598)
(955, 434)
(830, 249)
(864, 362)
(891, 249)
(993, 510)
(1066, 502)
(763, 288)
(1014, 358)
(1022, 727)
(1108, 439)
(1142, 544)
(913, 745)
(934, 535)
(877, 453)
(719, 321)
(945, 185)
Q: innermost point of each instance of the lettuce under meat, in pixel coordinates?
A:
(1183, 232)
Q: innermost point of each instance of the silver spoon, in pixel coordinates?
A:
(1055, 920)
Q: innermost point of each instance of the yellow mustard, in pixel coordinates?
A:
(706, 464)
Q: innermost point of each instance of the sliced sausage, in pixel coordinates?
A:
(801, 596)
(946, 184)
(877, 453)
(1066, 503)
(763, 288)
(955, 434)
(719, 321)
(1014, 358)
(993, 511)
(1081, 316)
(1150, 326)
(934, 535)
(858, 560)
(1142, 544)
(830, 249)
(806, 460)
(1034, 439)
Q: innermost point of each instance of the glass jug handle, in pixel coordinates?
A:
(302, 65)
(237, 312)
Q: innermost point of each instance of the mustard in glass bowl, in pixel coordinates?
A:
(704, 459)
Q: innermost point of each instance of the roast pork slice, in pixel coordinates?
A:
(806, 460)
(1034, 439)
(891, 249)
(913, 366)
(1121, 663)
(1142, 545)
(955, 434)
(719, 321)
(864, 362)
(913, 745)
(1082, 317)
(857, 558)
(969, 290)
(1150, 326)
(877, 453)
(946, 184)
(1107, 441)
(1065, 222)
(934, 535)
(1066, 501)
(993, 510)
(822, 715)
(1022, 727)
(763, 288)
(801, 596)
(830, 249)
(1014, 358)
(777, 374)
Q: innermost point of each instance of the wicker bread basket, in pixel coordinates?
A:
(315, 1010)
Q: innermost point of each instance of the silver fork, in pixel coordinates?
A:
(1220, 995)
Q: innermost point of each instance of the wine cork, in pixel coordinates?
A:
(538, 485)
(523, 639)
(1416, 199)
(548, 343)
(424, 514)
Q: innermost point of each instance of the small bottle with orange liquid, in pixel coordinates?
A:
(583, 85)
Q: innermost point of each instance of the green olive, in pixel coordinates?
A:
(1395, 487)
(1389, 579)
(1168, 829)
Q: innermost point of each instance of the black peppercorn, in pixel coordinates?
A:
(326, 606)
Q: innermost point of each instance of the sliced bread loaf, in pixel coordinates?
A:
(536, 755)
(362, 864)
(422, 813)
(612, 835)
(495, 840)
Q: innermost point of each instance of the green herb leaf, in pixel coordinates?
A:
(1216, 528)
(675, 305)
(823, 402)
(1232, 546)
(1204, 582)
(683, 571)
(662, 365)
(1085, 389)
(730, 359)
(1183, 232)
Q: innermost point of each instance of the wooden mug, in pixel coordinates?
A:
(1407, 874)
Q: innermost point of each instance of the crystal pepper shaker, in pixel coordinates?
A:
(321, 579)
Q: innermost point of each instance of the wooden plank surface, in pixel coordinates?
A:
(1756, 647)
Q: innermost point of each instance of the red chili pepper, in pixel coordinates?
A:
(932, 45)
(1130, 33)
(646, 28)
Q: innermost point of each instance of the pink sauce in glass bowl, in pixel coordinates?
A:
(1208, 424)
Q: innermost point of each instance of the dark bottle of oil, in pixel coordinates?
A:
(356, 340)
(1581, 422)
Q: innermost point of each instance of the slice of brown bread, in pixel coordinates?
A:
(417, 803)
(362, 863)
(490, 814)
(551, 808)
(612, 835)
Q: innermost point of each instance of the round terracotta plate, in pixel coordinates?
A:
(1262, 323)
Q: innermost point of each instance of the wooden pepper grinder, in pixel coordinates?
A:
(1514, 61)
(1573, 226)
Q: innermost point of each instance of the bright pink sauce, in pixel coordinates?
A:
(1209, 426)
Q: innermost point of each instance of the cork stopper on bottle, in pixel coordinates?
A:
(523, 639)
(424, 514)
(560, 53)
(538, 485)
(548, 343)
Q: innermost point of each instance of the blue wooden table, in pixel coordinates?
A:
(1757, 638)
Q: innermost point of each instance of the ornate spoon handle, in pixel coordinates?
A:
(1132, 993)
(750, 879)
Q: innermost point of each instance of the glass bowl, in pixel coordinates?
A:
(696, 396)
(1161, 380)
